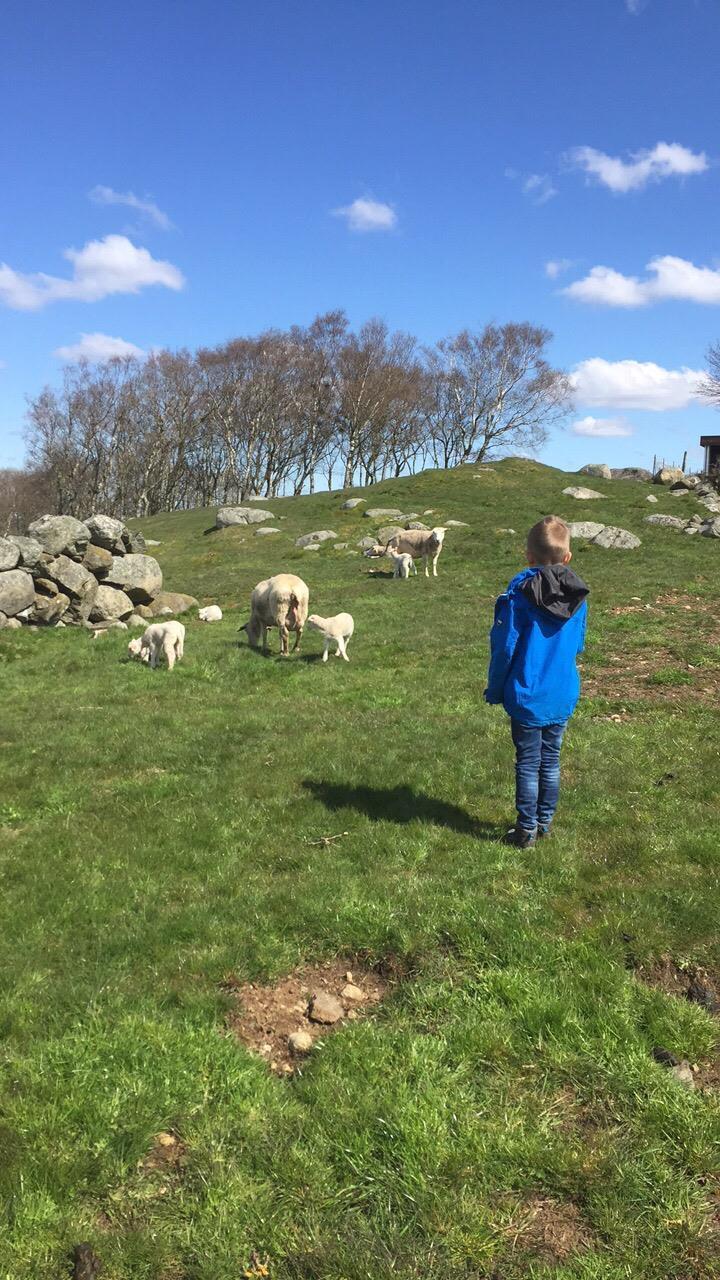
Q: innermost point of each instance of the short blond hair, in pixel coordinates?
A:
(548, 542)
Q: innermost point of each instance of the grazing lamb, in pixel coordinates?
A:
(339, 629)
(159, 638)
(419, 542)
(211, 613)
(282, 602)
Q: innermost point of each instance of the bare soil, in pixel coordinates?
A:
(551, 1230)
(265, 1017)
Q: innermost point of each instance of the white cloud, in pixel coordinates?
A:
(98, 348)
(556, 266)
(539, 187)
(100, 268)
(106, 195)
(634, 384)
(601, 427)
(665, 160)
(636, 6)
(368, 215)
(669, 278)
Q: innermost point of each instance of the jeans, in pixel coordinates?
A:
(537, 772)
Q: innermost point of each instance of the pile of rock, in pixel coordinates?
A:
(68, 572)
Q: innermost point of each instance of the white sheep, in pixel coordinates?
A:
(282, 602)
(339, 629)
(211, 613)
(166, 638)
(419, 542)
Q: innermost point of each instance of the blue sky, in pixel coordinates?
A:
(483, 139)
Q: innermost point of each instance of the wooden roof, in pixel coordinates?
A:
(705, 440)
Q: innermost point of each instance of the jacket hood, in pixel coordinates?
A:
(556, 589)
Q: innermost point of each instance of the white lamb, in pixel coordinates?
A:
(166, 638)
(211, 613)
(403, 562)
(339, 629)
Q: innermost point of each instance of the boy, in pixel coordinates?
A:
(538, 631)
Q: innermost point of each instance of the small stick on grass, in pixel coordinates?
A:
(328, 840)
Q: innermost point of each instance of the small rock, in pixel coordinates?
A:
(365, 544)
(430, 511)
(61, 535)
(109, 533)
(152, 542)
(175, 601)
(683, 1074)
(668, 475)
(711, 529)
(667, 522)
(9, 554)
(259, 533)
(348, 976)
(16, 591)
(389, 531)
(300, 1043)
(651, 498)
(631, 473)
(227, 516)
(352, 993)
(314, 546)
(613, 539)
(600, 469)
(325, 1008)
(415, 524)
(504, 530)
(136, 620)
(585, 528)
(351, 504)
(340, 546)
(317, 536)
(380, 513)
(98, 560)
(577, 491)
(460, 524)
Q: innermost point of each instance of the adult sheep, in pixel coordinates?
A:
(282, 602)
(417, 543)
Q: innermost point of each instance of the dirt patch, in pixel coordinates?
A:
(166, 1156)
(551, 1230)
(658, 677)
(308, 1004)
(689, 981)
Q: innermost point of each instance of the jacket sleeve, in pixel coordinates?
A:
(503, 641)
(583, 629)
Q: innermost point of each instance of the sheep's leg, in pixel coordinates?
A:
(341, 650)
(325, 650)
(298, 637)
(414, 568)
(264, 637)
(284, 648)
(425, 560)
(179, 648)
(435, 560)
(169, 651)
(154, 657)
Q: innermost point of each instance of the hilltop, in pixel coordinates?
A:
(168, 839)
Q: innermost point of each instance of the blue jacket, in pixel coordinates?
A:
(538, 632)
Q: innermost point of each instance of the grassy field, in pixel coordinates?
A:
(500, 1114)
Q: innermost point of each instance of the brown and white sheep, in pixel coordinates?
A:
(282, 602)
(419, 543)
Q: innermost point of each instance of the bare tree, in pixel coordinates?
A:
(710, 386)
(491, 390)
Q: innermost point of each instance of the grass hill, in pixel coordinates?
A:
(501, 1113)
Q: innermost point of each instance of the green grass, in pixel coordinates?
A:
(155, 836)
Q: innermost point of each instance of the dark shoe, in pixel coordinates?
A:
(520, 838)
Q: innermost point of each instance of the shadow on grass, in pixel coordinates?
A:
(399, 804)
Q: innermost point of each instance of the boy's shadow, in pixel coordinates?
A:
(398, 804)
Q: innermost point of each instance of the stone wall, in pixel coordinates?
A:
(67, 572)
